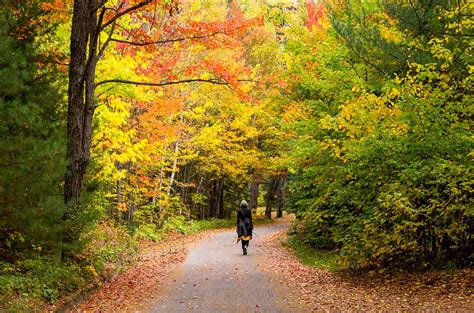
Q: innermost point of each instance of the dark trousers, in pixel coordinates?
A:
(245, 243)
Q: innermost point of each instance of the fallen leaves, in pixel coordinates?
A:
(321, 290)
(143, 279)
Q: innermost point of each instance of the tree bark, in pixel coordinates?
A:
(272, 189)
(78, 155)
(254, 188)
(280, 196)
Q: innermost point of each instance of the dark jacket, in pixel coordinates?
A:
(244, 222)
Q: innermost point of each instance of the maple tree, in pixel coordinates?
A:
(150, 28)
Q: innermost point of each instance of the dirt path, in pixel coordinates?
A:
(216, 277)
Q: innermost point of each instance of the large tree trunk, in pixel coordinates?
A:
(84, 34)
(80, 108)
(77, 156)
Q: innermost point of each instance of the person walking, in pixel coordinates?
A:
(244, 225)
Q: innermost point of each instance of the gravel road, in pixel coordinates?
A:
(216, 277)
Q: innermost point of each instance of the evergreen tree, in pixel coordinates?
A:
(31, 134)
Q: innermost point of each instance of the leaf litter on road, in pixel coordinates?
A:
(143, 280)
(322, 290)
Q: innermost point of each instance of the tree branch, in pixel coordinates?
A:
(419, 20)
(100, 4)
(142, 44)
(160, 84)
(107, 41)
(118, 15)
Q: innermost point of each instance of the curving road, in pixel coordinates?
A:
(216, 277)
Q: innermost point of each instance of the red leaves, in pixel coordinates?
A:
(166, 44)
(315, 13)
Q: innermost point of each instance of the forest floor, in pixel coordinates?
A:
(207, 272)
(322, 290)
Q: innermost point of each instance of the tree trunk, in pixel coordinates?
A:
(212, 192)
(272, 188)
(254, 187)
(119, 198)
(157, 187)
(131, 209)
(79, 110)
(216, 199)
(280, 196)
(173, 170)
(220, 205)
(84, 38)
(201, 209)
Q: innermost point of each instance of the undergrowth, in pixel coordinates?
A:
(325, 259)
(44, 282)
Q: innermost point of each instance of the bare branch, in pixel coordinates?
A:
(161, 84)
(419, 21)
(106, 43)
(142, 44)
(131, 9)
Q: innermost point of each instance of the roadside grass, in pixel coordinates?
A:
(323, 259)
(34, 283)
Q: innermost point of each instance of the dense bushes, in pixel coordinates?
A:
(387, 178)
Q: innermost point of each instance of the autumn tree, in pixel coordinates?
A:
(152, 24)
(380, 155)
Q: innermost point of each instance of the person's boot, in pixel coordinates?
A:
(245, 250)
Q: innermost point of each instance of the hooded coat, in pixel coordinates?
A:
(244, 220)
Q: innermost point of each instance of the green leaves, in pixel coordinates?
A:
(382, 166)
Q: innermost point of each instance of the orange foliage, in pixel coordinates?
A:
(315, 14)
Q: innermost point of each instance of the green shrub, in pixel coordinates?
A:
(148, 231)
(43, 278)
